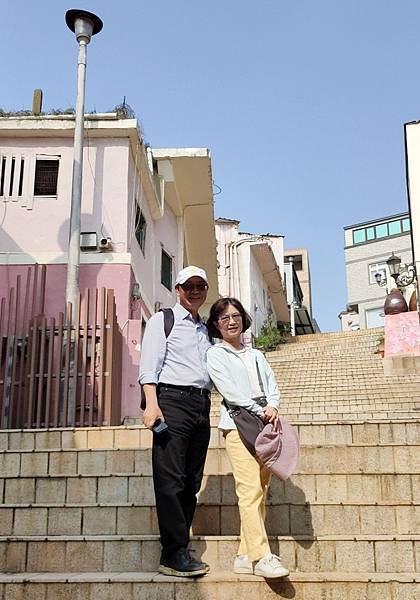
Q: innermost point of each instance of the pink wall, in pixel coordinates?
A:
(111, 276)
(40, 225)
(402, 334)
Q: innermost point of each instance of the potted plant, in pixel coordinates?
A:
(380, 346)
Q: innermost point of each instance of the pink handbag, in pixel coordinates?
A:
(277, 447)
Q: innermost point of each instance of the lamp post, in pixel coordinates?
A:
(292, 304)
(84, 24)
(403, 275)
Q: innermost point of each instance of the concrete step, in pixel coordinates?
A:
(345, 415)
(316, 518)
(337, 385)
(390, 458)
(222, 585)
(379, 431)
(130, 553)
(216, 489)
(338, 404)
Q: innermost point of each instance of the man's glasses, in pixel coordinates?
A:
(226, 318)
(189, 287)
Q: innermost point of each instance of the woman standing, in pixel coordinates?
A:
(238, 373)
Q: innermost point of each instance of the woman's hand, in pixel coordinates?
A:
(270, 414)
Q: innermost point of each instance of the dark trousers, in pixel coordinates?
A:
(178, 457)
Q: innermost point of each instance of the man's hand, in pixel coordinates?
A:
(152, 412)
(270, 414)
(151, 415)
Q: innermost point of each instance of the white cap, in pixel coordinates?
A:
(188, 272)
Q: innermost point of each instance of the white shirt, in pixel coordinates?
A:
(179, 359)
(248, 358)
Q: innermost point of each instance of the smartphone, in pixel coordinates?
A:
(159, 427)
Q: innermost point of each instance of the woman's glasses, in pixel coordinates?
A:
(189, 287)
(226, 318)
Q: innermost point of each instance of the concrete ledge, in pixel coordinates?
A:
(402, 365)
(218, 585)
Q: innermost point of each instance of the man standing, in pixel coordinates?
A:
(176, 386)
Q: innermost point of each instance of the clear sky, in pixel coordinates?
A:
(302, 103)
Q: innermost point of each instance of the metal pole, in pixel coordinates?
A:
(84, 24)
(292, 319)
(72, 290)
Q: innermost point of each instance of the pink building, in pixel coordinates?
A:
(145, 214)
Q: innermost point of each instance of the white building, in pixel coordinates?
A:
(412, 148)
(367, 246)
(250, 267)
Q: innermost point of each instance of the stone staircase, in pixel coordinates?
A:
(77, 516)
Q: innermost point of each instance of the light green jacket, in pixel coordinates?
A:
(230, 377)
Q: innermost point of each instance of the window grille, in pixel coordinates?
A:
(46, 176)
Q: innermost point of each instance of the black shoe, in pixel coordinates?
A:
(204, 564)
(180, 564)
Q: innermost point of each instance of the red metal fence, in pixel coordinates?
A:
(58, 373)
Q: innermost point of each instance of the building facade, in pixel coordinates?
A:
(300, 259)
(250, 267)
(145, 214)
(412, 161)
(367, 246)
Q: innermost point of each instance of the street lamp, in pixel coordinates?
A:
(403, 275)
(84, 24)
(394, 263)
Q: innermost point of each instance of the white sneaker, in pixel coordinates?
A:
(270, 567)
(242, 564)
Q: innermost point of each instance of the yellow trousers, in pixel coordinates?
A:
(251, 484)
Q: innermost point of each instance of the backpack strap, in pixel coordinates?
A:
(168, 320)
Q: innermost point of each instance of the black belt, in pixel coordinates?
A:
(190, 389)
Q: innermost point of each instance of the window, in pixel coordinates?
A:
(13, 167)
(46, 176)
(381, 230)
(374, 317)
(140, 230)
(377, 268)
(359, 236)
(406, 225)
(166, 270)
(370, 233)
(394, 227)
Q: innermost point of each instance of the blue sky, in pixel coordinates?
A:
(302, 103)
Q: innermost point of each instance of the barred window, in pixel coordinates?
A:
(46, 176)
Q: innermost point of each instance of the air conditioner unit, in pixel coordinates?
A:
(88, 241)
(91, 242)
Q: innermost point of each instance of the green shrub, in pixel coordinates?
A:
(272, 335)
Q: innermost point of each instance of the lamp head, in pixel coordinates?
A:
(83, 23)
(393, 263)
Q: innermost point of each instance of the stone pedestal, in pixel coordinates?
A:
(402, 343)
